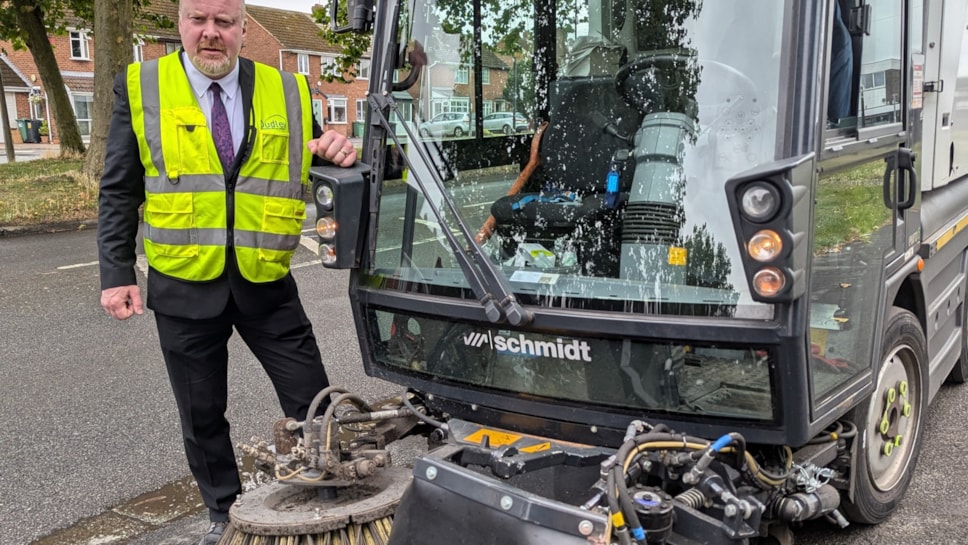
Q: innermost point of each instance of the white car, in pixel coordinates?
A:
(446, 124)
(505, 122)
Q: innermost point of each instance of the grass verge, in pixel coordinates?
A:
(45, 191)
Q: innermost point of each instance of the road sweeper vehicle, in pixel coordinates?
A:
(708, 295)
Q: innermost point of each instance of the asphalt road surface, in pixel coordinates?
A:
(89, 420)
(90, 430)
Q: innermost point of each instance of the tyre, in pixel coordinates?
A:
(890, 423)
(959, 373)
(458, 132)
(507, 130)
(425, 133)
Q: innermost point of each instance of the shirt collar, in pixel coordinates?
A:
(200, 82)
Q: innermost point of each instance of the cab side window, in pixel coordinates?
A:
(866, 64)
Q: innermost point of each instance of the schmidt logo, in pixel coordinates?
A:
(275, 123)
(573, 349)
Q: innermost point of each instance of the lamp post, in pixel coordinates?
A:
(514, 74)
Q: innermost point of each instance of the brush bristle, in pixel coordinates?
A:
(375, 532)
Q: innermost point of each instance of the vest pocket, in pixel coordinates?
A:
(283, 219)
(171, 217)
(194, 141)
(274, 147)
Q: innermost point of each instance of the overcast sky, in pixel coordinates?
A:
(305, 6)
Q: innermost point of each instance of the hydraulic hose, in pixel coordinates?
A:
(328, 415)
(308, 431)
(420, 416)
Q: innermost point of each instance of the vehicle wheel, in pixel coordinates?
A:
(959, 373)
(508, 131)
(425, 133)
(890, 423)
(458, 132)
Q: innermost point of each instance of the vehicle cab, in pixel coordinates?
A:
(713, 222)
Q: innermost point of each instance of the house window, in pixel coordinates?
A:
(79, 46)
(874, 80)
(486, 76)
(360, 110)
(139, 51)
(363, 69)
(337, 110)
(171, 47)
(462, 75)
(406, 111)
(327, 66)
(84, 111)
(302, 61)
(461, 104)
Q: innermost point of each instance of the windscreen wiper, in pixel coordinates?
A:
(486, 281)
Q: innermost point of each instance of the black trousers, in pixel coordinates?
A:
(196, 355)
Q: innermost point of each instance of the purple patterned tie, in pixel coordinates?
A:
(221, 131)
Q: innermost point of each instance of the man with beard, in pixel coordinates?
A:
(218, 149)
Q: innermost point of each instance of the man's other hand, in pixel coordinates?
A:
(122, 302)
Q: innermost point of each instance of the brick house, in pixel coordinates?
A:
(290, 41)
(287, 40)
(18, 88)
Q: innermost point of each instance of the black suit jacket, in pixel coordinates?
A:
(123, 191)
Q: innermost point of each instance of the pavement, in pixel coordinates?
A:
(30, 152)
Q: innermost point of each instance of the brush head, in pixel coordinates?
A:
(281, 509)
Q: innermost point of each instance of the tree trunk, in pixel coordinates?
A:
(5, 124)
(112, 53)
(31, 22)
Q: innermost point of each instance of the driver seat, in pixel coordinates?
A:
(566, 196)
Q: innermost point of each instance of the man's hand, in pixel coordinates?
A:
(122, 302)
(334, 147)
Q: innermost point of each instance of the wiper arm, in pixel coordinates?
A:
(486, 281)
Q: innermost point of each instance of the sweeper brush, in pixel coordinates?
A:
(283, 514)
(334, 485)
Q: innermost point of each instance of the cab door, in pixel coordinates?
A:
(866, 216)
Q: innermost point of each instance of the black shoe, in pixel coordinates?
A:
(214, 533)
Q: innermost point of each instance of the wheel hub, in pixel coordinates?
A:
(896, 408)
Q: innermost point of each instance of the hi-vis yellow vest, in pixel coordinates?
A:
(185, 213)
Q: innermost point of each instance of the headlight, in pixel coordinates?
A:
(769, 281)
(326, 228)
(760, 202)
(765, 246)
(324, 196)
(327, 254)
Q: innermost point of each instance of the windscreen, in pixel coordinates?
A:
(583, 146)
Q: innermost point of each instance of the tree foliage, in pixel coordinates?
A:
(352, 46)
(27, 24)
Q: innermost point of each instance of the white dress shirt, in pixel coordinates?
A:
(231, 97)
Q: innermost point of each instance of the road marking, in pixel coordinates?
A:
(77, 266)
(310, 244)
(306, 264)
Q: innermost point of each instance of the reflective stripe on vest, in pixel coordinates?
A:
(185, 215)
